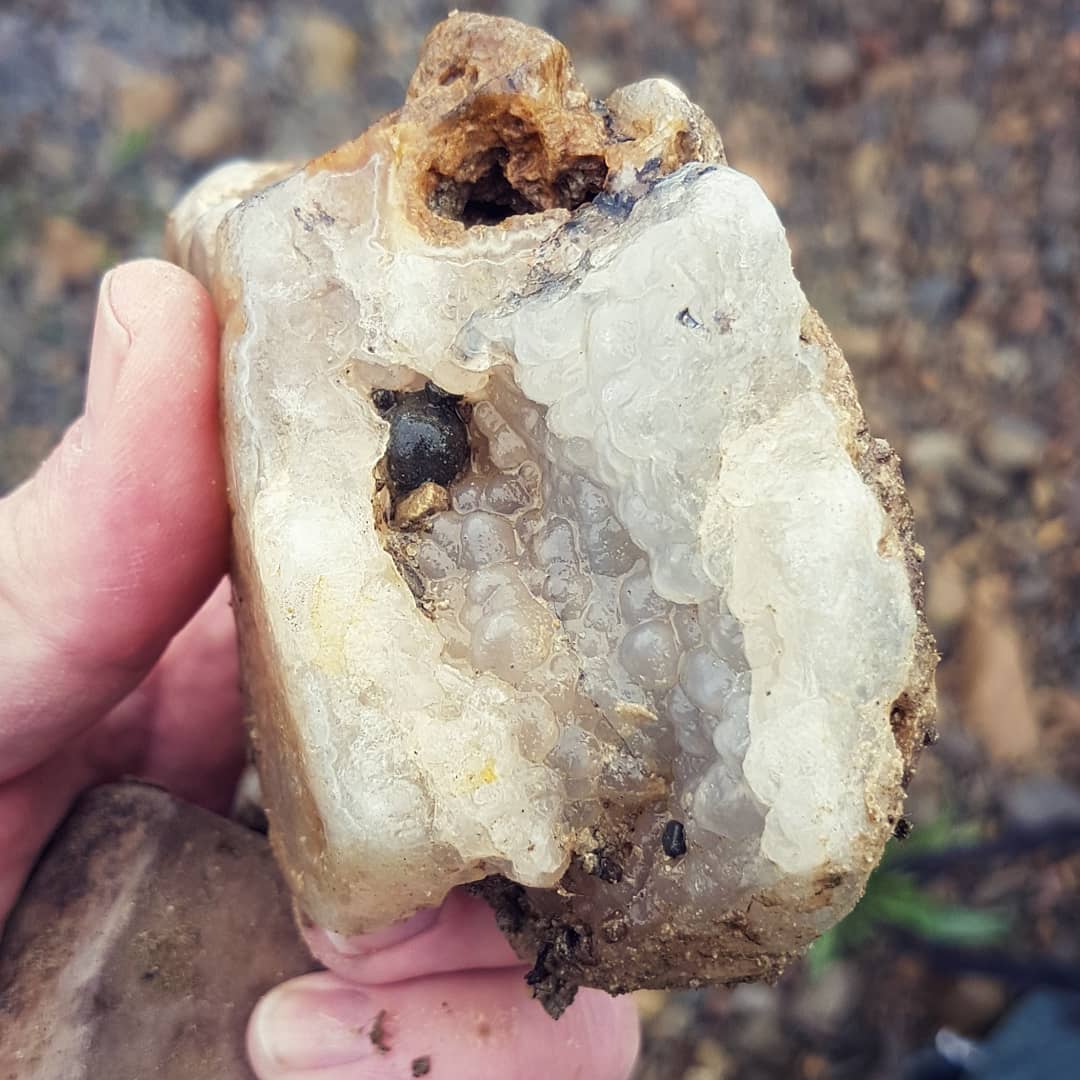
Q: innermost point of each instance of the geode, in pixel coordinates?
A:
(564, 563)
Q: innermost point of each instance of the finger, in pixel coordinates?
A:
(30, 809)
(122, 534)
(460, 935)
(181, 728)
(456, 1027)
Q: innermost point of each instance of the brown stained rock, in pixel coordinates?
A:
(495, 122)
(141, 943)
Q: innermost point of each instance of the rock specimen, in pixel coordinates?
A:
(129, 953)
(564, 561)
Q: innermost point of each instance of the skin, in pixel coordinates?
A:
(118, 657)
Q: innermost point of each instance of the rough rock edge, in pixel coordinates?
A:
(915, 708)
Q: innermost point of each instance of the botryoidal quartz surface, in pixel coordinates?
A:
(563, 560)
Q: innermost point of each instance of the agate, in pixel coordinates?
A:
(564, 563)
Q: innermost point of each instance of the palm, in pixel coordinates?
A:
(179, 728)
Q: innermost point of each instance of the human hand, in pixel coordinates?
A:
(118, 657)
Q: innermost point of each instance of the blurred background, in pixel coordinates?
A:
(925, 157)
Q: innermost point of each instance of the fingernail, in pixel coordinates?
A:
(383, 939)
(111, 343)
(296, 1028)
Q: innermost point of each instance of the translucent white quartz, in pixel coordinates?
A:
(664, 522)
(663, 590)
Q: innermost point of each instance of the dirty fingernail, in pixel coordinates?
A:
(296, 1028)
(366, 944)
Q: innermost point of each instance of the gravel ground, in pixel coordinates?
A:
(925, 156)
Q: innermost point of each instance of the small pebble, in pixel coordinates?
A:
(1012, 444)
(938, 298)
(935, 452)
(210, 130)
(831, 66)
(950, 124)
(820, 1005)
(1035, 802)
(328, 54)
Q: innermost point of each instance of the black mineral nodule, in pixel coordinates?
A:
(428, 439)
(674, 839)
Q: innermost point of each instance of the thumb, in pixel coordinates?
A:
(122, 534)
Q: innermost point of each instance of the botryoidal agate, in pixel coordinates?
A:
(563, 561)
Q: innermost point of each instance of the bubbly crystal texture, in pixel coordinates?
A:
(644, 660)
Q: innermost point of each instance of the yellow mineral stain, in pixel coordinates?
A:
(486, 774)
(327, 626)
